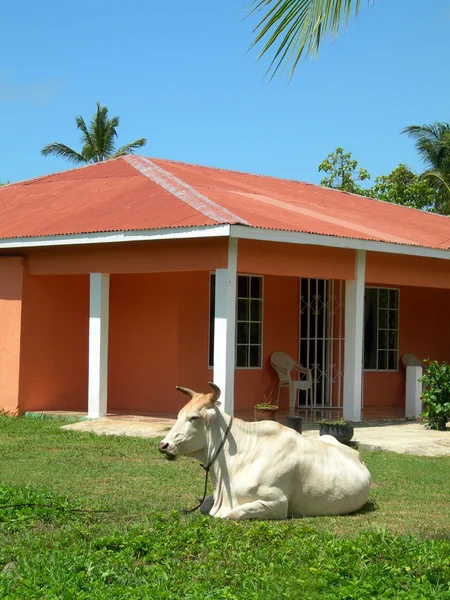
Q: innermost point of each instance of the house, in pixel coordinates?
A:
(122, 279)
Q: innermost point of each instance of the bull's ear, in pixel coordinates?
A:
(210, 415)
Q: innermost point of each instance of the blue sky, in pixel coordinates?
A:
(178, 73)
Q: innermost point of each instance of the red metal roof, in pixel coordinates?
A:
(136, 193)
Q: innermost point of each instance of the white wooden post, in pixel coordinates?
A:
(353, 345)
(98, 345)
(225, 329)
(413, 406)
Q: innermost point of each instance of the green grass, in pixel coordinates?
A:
(108, 527)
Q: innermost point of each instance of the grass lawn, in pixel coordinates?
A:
(107, 526)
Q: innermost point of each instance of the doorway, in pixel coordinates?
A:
(321, 346)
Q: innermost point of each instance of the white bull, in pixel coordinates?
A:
(265, 470)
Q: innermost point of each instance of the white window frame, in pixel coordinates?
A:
(377, 370)
(250, 275)
(210, 346)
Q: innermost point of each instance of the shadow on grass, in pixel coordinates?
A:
(369, 506)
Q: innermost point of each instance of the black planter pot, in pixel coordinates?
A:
(343, 433)
(294, 422)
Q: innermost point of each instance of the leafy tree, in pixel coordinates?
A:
(293, 29)
(98, 140)
(433, 145)
(402, 186)
(343, 172)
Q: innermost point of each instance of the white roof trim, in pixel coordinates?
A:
(313, 239)
(113, 237)
(211, 231)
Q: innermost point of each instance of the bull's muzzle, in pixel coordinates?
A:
(164, 449)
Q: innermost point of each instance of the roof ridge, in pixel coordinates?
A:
(223, 170)
(182, 190)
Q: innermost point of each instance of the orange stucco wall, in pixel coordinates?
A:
(402, 270)
(11, 289)
(54, 356)
(159, 320)
(295, 260)
(138, 257)
(424, 331)
(159, 339)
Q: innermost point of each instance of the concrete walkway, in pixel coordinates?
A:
(401, 437)
(146, 427)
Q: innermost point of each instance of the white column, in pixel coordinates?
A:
(353, 345)
(98, 345)
(225, 328)
(413, 406)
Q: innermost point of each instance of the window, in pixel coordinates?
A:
(212, 310)
(381, 310)
(249, 321)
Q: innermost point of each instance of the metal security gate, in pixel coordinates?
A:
(322, 339)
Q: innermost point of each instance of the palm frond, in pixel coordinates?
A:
(86, 136)
(296, 28)
(63, 151)
(437, 179)
(97, 129)
(89, 152)
(98, 140)
(130, 148)
(441, 184)
(432, 143)
(433, 131)
(109, 136)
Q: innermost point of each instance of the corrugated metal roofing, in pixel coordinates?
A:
(136, 193)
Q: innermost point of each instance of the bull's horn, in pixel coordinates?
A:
(216, 394)
(187, 391)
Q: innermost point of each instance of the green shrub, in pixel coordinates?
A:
(436, 395)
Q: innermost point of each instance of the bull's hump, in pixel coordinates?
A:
(271, 429)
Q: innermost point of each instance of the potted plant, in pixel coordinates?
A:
(342, 430)
(265, 411)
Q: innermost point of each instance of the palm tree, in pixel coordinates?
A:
(298, 27)
(97, 139)
(433, 145)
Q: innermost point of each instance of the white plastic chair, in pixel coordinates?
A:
(283, 365)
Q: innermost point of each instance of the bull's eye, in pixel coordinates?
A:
(194, 418)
